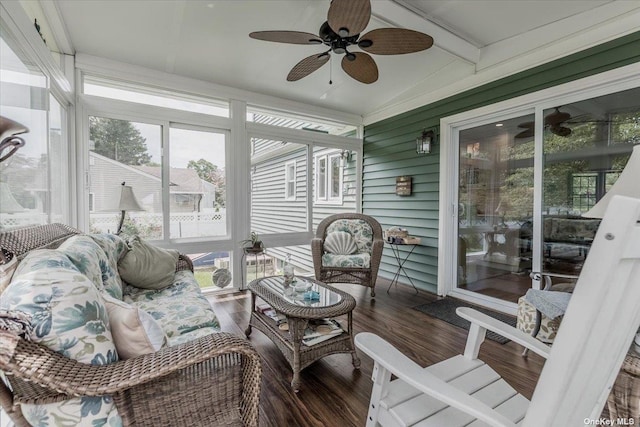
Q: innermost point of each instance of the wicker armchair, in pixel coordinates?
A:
(345, 271)
(212, 380)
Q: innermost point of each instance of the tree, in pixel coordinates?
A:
(118, 140)
(209, 172)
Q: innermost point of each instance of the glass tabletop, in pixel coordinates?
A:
(302, 291)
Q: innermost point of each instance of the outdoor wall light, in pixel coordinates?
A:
(425, 142)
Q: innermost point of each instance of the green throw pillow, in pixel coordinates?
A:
(146, 266)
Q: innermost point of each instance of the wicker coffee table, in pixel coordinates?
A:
(285, 300)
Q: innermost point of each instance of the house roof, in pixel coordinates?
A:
(475, 42)
(183, 180)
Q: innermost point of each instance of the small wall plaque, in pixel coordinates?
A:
(403, 185)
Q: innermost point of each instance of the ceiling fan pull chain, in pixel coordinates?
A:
(330, 69)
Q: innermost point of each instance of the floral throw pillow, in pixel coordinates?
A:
(67, 316)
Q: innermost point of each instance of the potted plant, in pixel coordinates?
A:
(253, 243)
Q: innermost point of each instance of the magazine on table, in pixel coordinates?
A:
(321, 330)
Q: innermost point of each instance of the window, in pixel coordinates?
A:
(290, 180)
(321, 178)
(329, 178)
(34, 181)
(151, 96)
(197, 188)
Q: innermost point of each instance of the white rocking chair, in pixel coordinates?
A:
(593, 339)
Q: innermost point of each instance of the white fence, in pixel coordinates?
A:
(181, 224)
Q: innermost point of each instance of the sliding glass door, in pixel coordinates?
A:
(495, 208)
(523, 184)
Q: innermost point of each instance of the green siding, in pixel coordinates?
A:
(389, 150)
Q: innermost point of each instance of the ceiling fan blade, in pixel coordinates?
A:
(293, 37)
(560, 130)
(307, 66)
(557, 117)
(524, 134)
(394, 41)
(362, 68)
(527, 125)
(349, 17)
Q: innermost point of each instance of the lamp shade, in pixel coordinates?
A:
(128, 201)
(8, 204)
(628, 184)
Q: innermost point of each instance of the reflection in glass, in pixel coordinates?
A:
(495, 208)
(586, 146)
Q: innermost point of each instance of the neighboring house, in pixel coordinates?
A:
(188, 193)
(279, 192)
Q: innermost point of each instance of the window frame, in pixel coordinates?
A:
(290, 171)
(328, 180)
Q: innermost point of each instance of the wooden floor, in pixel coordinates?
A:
(333, 393)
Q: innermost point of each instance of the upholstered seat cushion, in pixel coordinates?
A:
(179, 308)
(353, 260)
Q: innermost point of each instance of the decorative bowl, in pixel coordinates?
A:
(302, 286)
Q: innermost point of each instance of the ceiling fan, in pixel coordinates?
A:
(554, 122)
(346, 19)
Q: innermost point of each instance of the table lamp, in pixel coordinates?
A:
(128, 202)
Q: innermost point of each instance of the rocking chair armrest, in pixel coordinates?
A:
(391, 359)
(507, 331)
(55, 372)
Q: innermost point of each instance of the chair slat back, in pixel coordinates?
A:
(598, 327)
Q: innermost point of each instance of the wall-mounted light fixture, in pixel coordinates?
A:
(425, 142)
(347, 155)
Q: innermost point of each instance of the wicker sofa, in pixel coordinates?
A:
(59, 369)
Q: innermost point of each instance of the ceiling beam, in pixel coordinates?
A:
(396, 14)
(57, 26)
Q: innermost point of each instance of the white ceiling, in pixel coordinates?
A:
(475, 41)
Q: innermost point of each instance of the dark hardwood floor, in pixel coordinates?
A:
(333, 393)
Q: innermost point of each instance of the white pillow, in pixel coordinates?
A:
(340, 243)
(135, 332)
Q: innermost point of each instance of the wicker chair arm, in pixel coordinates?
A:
(41, 366)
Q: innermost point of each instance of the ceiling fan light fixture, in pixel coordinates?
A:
(343, 32)
(365, 43)
(351, 56)
(339, 50)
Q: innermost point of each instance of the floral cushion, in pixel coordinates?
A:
(179, 308)
(354, 260)
(190, 336)
(359, 229)
(68, 316)
(92, 261)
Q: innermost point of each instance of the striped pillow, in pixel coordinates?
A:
(340, 243)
